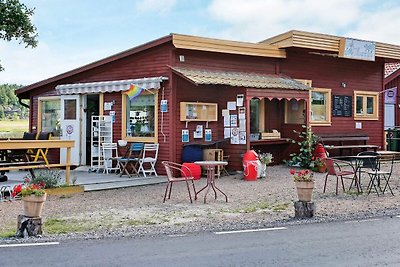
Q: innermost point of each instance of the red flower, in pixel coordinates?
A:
(292, 172)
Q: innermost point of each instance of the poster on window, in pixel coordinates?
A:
(235, 136)
(185, 135)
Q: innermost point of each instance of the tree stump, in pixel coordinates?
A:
(28, 226)
(303, 209)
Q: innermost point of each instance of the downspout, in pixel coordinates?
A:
(23, 104)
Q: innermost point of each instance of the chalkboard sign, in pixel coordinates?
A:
(342, 106)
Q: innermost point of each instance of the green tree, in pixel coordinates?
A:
(15, 23)
(2, 115)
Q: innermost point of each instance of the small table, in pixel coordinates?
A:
(210, 166)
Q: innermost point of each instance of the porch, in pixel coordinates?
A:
(92, 181)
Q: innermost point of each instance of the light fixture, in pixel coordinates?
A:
(343, 84)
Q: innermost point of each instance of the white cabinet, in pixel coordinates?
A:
(101, 133)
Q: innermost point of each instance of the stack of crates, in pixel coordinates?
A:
(214, 155)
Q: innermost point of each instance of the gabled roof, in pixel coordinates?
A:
(95, 64)
(325, 42)
(239, 79)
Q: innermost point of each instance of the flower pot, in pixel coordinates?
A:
(322, 168)
(304, 190)
(33, 205)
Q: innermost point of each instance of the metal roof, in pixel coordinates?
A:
(239, 79)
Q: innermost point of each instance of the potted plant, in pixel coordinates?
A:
(318, 164)
(304, 184)
(265, 159)
(33, 197)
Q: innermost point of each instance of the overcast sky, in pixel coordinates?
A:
(73, 33)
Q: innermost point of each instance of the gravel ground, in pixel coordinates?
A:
(139, 211)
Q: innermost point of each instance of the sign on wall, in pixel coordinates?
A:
(342, 106)
(357, 49)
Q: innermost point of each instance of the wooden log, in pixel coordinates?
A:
(303, 209)
(28, 226)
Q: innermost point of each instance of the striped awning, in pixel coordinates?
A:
(109, 86)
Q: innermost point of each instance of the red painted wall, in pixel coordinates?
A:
(329, 72)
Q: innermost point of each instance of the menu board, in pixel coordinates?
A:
(342, 106)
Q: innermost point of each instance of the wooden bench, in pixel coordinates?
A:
(347, 142)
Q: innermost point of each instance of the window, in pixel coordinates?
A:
(320, 99)
(366, 105)
(140, 117)
(49, 115)
(255, 115)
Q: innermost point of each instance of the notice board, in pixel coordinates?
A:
(342, 106)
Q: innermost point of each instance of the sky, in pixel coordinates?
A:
(73, 33)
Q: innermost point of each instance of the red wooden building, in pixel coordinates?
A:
(254, 94)
(392, 83)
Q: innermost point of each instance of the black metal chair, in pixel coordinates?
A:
(383, 173)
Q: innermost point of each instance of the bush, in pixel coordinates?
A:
(307, 141)
(50, 178)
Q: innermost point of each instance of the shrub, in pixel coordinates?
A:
(50, 178)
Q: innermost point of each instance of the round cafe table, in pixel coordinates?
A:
(210, 166)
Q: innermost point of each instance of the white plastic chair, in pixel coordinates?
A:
(110, 154)
(149, 159)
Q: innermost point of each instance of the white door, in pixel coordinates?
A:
(389, 116)
(72, 107)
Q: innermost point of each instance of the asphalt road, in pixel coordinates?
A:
(373, 242)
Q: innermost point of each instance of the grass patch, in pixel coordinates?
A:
(277, 207)
(13, 129)
(61, 226)
(140, 222)
(8, 234)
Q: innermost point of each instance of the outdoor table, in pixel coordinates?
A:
(357, 161)
(210, 166)
(36, 144)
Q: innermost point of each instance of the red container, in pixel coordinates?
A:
(250, 159)
(320, 151)
(194, 168)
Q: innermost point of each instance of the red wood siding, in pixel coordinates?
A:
(329, 72)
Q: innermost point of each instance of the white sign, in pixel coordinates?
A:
(357, 49)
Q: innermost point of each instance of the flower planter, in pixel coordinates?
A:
(65, 191)
(304, 190)
(33, 205)
(322, 168)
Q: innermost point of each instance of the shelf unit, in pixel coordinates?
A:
(102, 128)
(199, 111)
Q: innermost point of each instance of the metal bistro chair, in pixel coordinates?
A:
(110, 154)
(366, 161)
(148, 159)
(131, 160)
(340, 169)
(178, 173)
(383, 173)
